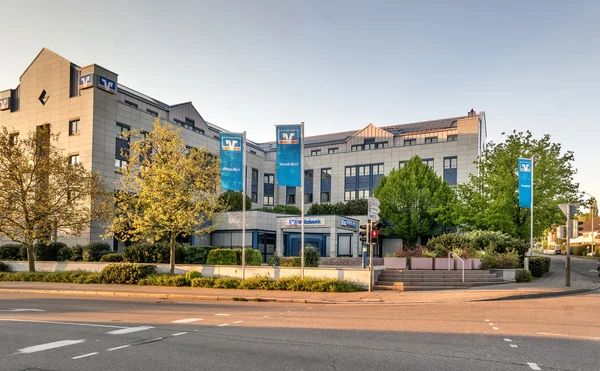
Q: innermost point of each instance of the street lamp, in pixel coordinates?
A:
(592, 210)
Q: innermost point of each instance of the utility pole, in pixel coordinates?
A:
(569, 211)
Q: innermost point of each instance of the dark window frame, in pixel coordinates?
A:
(410, 142)
(72, 126)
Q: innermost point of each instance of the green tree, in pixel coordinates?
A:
(232, 201)
(42, 191)
(416, 201)
(490, 200)
(165, 190)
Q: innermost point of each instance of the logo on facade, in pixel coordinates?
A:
(107, 84)
(86, 81)
(525, 167)
(297, 222)
(4, 103)
(288, 136)
(230, 144)
(348, 223)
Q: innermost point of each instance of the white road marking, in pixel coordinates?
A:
(487, 320)
(129, 330)
(117, 348)
(179, 333)
(491, 324)
(495, 328)
(514, 346)
(85, 355)
(238, 321)
(223, 324)
(533, 366)
(265, 316)
(222, 314)
(22, 310)
(507, 340)
(61, 323)
(187, 320)
(569, 336)
(53, 345)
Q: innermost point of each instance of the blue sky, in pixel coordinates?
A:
(339, 65)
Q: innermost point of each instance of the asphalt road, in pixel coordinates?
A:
(42, 333)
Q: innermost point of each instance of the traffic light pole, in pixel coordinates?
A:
(569, 234)
(371, 273)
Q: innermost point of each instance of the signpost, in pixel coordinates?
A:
(569, 210)
(373, 215)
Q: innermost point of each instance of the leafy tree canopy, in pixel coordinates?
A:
(354, 207)
(232, 201)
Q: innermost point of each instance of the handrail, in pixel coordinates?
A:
(462, 261)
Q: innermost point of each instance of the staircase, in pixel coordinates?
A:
(418, 280)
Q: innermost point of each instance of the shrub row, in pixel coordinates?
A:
(495, 260)
(233, 257)
(523, 275)
(67, 277)
(56, 251)
(4, 267)
(311, 259)
(539, 265)
(469, 244)
(285, 283)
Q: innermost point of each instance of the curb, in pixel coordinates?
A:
(539, 295)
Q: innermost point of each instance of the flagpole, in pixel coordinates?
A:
(302, 198)
(531, 234)
(244, 206)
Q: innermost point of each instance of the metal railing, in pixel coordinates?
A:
(462, 261)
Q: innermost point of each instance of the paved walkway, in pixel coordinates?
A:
(582, 280)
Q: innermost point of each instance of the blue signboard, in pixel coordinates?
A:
(232, 161)
(525, 182)
(86, 81)
(348, 223)
(107, 84)
(289, 155)
(4, 103)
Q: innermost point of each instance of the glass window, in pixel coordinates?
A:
(119, 165)
(254, 197)
(13, 138)
(428, 161)
(349, 195)
(452, 138)
(268, 200)
(431, 140)
(74, 127)
(363, 170)
(290, 199)
(450, 163)
(315, 152)
(378, 169)
(326, 173)
(254, 175)
(308, 198)
(333, 150)
(269, 178)
(325, 196)
(131, 104)
(153, 113)
(357, 147)
(73, 160)
(410, 142)
(122, 131)
(401, 164)
(363, 194)
(350, 171)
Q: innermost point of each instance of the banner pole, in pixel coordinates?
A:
(531, 235)
(244, 174)
(302, 197)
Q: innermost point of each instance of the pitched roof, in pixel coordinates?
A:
(587, 225)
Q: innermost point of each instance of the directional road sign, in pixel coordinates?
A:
(569, 209)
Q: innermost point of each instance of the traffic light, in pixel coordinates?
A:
(364, 230)
(374, 236)
(561, 234)
(576, 226)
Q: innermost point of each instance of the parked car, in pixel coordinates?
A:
(557, 252)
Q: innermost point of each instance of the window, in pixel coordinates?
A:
(268, 201)
(189, 149)
(254, 175)
(269, 179)
(428, 161)
(357, 147)
(350, 171)
(252, 152)
(349, 195)
(450, 163)
(122, 131)
(325, 196)
(308, 176)
(326, 173)
(308, 198)
(363, 194)
(450, 168)
(332, 150)
(364, 170)
(378, 169)
(74, 160)
(198, 130)
(431, 140)
(315, 152)
(119, 165)
(74, 127)
(401, 164)
(254, 186)
(381, 145)
(131, 104)
(13, 138)
(410, 142)
(290, 199)
(452, 138)
(153, 113)
(189, 123)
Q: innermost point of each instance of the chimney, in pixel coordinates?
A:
(472, 113)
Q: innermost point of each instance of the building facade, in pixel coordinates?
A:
(90, 109)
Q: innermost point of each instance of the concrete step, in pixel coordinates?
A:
(440, 280)
(402, 287)
(430, 278)
(439, 283)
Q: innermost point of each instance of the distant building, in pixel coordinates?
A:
(90, 109)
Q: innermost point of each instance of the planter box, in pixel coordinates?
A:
(394, 263)
(442, 263)
(508, 275)
(422, 263)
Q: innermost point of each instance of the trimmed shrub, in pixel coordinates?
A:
(311, 256)
(290, 261)
(77, 253)
(177, 280)
(275, 260)
(523, 275)
(48, 251)
(226, 283)
(258, 283)
(296, 283)
(64, 253)
(112, 258)
(579, 250)
(494, 260)
(205, 282)
(4, 267)
(13, 251)
(232, 201)
(94, 251)
(441, 245)
(253, 257)
(197, 254)
(193, 274)
(222, 257)
(158, 253)
(409, 253)
(67, 276)
(126, 273)
(539, 265)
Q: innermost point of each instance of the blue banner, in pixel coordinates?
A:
(232, 161)
(525, 182)
(289, 155)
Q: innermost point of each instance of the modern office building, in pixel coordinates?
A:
(90, 109)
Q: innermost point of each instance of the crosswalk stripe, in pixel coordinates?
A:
(85, 355)
(129, 330)
(47, 346)
(187, 320)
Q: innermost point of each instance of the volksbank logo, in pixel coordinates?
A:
(86, 81)
(107, 84)
(525, 167)
(4, 103)
(231, 144)
(288, 136)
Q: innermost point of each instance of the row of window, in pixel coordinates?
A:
(317, 152)
(371, 144)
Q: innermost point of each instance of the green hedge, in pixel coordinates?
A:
(112, 258)
(522, 275)
(67, 277)
(13, 251)
(126, 273)
(476, 240)
(193, 274)
(158, 253)
(353, 207)
(94, 251)
(4, 267)
(164, 280)
(197, 254)
(311, 259)
(286, 283)
(253, 257)
(494, 260)
(222, 257)
(290, 261)
(539, 265)
(48, 251)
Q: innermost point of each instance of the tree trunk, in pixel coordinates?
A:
(31, 257)
(172, 261)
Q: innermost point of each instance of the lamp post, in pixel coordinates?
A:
(592, 211)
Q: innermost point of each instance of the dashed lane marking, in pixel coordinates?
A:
(487, 320)
(187, 320)
(47, 346)
(62, 323)
(533, 366)
(514, 346)
(491, 324)
(495, 328)
(22, 310)
(265, 316)
(222, 314)
(129, 330)
(507, 340)
(85, 355)
(117, 348)
(179, 333)
(569, 336)
(223, 324)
